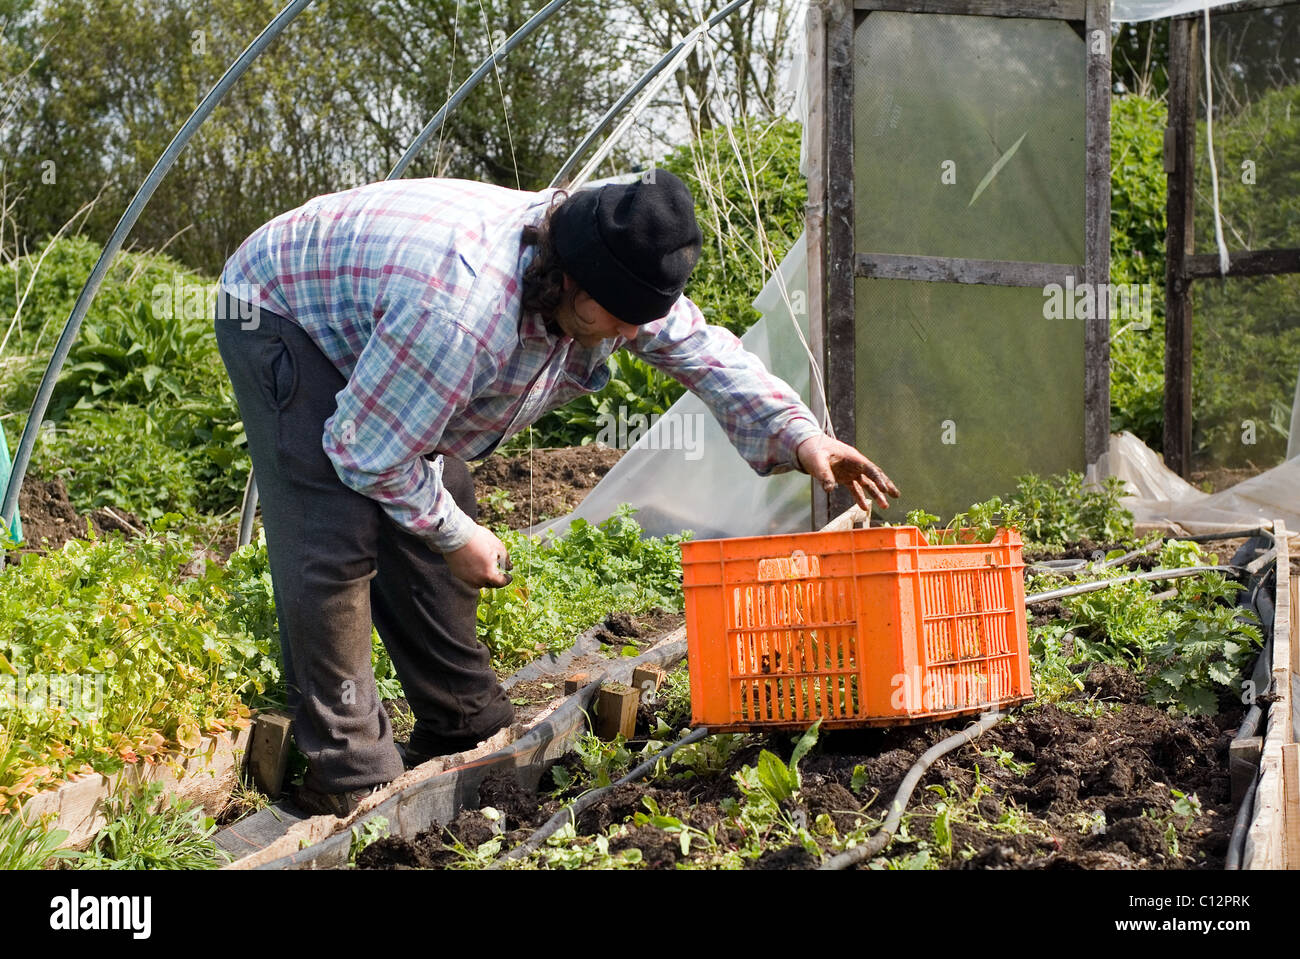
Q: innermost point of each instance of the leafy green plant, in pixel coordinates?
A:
(1049, 663)
(1061, 509)
(367, 833)
(1007, 760)
(766, 813)
(1137, 256)
(144, 833)
(1177, 819)
(673, 702)
(671, 824)
(602, 761)
(563, 587)
(29, 845)
(124, 652)
(1208, 650)
(565, 849)
(1188, 649)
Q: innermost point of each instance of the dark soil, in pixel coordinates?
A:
(622, 629)
(1059, 786)
(552, 482)
(1087, 783)
(50, 520)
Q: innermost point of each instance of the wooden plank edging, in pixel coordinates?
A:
(210, 773)
(1272, 830)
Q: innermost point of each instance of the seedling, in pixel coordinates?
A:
(1007, 760)
(1183, 811)
(366, 834)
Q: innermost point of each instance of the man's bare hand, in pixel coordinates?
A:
(834, 463)
(483, 561)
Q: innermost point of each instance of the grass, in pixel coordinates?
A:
(29, 845)
(143, 834)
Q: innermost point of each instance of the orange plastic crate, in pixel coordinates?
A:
(866, 627)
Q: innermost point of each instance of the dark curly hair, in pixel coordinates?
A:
(543, 289)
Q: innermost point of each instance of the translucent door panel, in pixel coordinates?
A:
(941, 101)
(962, 388)
(969, 143)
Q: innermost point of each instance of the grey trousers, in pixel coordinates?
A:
(339, 563)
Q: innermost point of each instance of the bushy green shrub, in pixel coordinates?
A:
(143, 414)
(1137, 256)
(157, 640)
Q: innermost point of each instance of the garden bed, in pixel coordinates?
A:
(1098, 779)
(206, 777)
(1088, 783)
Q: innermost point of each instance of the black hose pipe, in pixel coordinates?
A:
(882, 839)
(1241, 826)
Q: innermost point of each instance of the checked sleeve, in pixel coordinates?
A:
(417, 370)
(761, 413)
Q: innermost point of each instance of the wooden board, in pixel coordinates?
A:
(1180, 144)
(211, 773)
(1244, 263)
(948, 269)
(841, 313)
(815, 230)
(1272, 830)
(1031, 9)
(1291, 800)
(437, 790)
(1096, 230)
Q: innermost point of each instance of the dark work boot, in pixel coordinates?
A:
(341, 804)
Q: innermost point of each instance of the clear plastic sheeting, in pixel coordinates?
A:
(707, 487)
(1133, 11)
(1157, 495)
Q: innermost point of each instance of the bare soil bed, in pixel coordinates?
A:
(50, 520)
(517, 491)
(1082, 785)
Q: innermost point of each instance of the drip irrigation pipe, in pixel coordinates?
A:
(23, 456)
(570, 813)
(1153, 575)
(1241, 826)
(1249, 723)
(882, 839)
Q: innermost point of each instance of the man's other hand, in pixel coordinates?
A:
(834, 463)
(483, 561)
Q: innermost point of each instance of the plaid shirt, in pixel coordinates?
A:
(412, 289)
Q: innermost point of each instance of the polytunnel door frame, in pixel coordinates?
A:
(835, 265)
